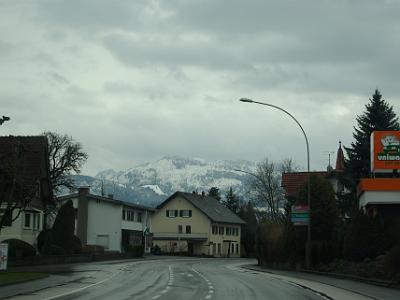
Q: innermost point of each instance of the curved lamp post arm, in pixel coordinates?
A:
(294, 119)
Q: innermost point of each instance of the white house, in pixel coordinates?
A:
(110, 223)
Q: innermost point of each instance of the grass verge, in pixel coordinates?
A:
(15, 277)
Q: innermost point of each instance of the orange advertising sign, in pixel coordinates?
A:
(385, 151)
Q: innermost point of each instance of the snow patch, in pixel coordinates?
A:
(155, 188)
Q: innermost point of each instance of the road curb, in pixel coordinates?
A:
(377, 282)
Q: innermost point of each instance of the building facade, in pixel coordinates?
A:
(110, 223)
(25, 185)
(196, 225)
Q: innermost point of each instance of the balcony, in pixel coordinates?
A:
(180, 236)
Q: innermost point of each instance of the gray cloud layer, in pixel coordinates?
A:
(135, 80)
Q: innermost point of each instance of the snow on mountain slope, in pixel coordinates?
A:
(155, 188)
(152, 182)
(173, 173)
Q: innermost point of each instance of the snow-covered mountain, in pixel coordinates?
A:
(151, 183)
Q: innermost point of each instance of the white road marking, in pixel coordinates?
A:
(210, 286)
(85, 287)
(157, 296)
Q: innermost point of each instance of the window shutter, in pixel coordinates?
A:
(190, 213)
(176, 213)
(181, 213)
(167, 213)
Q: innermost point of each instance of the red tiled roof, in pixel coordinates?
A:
(292, 182)
(28, 154)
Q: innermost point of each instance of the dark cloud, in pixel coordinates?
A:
(134, 80)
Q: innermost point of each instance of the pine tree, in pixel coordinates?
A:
(232, 201)
(379, 115)
(215, 193)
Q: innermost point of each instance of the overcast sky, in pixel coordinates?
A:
(136, 80)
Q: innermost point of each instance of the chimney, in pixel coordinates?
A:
(111, 196)
(84, 190)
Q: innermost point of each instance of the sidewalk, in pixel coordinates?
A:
(361, 288)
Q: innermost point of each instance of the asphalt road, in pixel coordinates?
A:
(173, 279)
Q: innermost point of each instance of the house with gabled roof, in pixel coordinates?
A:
(108, 222)
(196, 224)
(26, 189)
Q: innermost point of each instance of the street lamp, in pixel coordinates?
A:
(308, 246)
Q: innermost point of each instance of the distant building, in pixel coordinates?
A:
(292, 182)
(196, 225)
(110, 223)
(26, 160)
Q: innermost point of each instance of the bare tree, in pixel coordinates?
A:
(287, 166)
(66, 156)
(265, 188)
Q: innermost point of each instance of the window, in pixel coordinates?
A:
(228, 230)
(237, 248)
(27, 221)
(172, 213)
(179, 228)
(215, 230)
(188, 229)
(123, 214)
(219, 248)
(186, 213)
(221, 230)
(139, 217)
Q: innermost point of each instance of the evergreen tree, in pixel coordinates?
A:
(324, 212)
(64, 227)
(215, 193)
(379, 115)
(248, 234)
(232, 201)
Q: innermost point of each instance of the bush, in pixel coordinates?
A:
(50, 249)
(135, 251)
(270, 242)
(392, 262)
(18, 248)
(364, 238)
(43, 239)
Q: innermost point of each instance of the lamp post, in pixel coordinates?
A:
(308, 245)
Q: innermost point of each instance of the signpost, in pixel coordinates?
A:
(300, 215)
(3, 256)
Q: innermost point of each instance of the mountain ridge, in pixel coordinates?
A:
(152, 182)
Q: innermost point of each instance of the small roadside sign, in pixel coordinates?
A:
(3, 256)
(300, 215)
